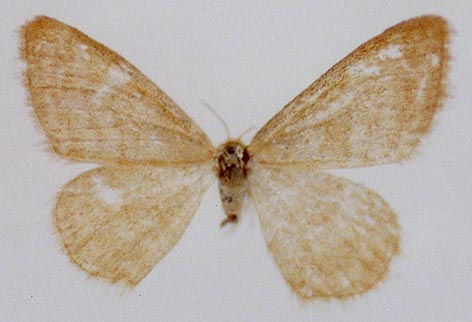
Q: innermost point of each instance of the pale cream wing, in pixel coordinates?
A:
(330, 237)
(118, 222)
(95, 106)
(372, 107)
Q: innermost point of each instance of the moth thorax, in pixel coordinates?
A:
(232, 158)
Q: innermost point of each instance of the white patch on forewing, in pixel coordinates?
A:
(360, 69)
(83, 48)
(146, 222)
(335, 105)
(341, 102)
(105, 193)
(155, 139)
(421, 87)
(117, 77)
(127, 234)
(434, 60)
(392, 51)
(100, 92)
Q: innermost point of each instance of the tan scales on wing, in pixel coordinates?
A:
(117, 223)
(372, 107)
(95, 106)
(330, 237)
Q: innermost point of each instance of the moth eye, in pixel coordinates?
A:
(245, 156)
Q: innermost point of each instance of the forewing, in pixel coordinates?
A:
(117, 223)
(95, 106)
(372, 107)
(329, 236)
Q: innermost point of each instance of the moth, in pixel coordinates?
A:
(330, 237)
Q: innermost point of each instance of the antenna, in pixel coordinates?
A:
(228, 134)
(246, 132)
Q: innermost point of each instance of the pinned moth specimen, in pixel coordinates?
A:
(330, 237)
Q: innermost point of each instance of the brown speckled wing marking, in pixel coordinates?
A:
(95, 106)
(330, 237)
(117, 223)
(372, 107)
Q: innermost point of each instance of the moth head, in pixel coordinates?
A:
(232, 154)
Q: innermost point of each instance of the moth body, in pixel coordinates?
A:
(232, 159)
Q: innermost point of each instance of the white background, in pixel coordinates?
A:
(247, 59)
